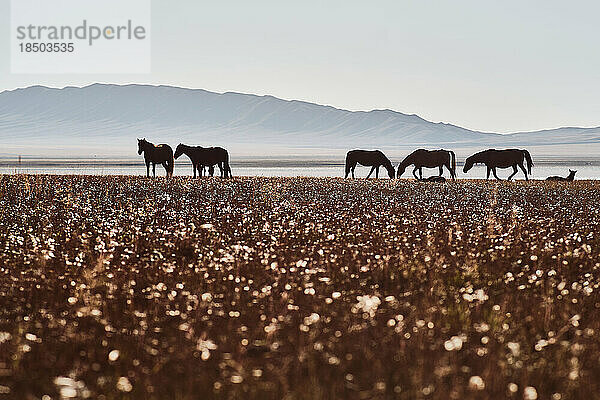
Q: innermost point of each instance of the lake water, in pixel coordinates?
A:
(540, 171)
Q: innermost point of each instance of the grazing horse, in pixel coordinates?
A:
(156, 154)
(374, 159)
(569, 178)
(501, 159)
(429, 159)
(206, 157)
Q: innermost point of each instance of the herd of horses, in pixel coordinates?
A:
(201, 158)
(208, 157)
(421, 158)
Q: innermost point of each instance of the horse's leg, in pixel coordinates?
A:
(421, 173)
(211, 170)
(372, 169)
(441, 167)
(353, 168)
(488, 173)
(495, 175)
(415, 173)
(524, 171)
(514, 172)
(348, 169)
(221, 169)
(377, 172)
(452, 175)
(147, 170)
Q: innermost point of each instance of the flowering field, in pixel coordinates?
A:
(298, 288)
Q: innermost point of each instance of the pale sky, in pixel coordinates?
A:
(500, 66)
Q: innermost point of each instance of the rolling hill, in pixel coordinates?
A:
(103, 120)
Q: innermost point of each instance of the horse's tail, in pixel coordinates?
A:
(170, 164)
(528, 159)
(452, 162)
(348, 164)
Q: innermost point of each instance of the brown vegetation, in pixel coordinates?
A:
(296, 288)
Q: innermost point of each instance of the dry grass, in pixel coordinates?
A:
(266, 288)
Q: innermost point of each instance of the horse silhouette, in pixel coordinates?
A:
(192, 153)
(501, 159)
(429, 159)
(435, 179)
(569, 178)
(206, 157)
(368, 158)
(156, 154)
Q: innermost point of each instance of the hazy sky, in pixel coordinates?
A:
(487, 65)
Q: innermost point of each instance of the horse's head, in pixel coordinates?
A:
(390, 170)
(178, 151)
(468, 164)
(401, 169)
(141, 143)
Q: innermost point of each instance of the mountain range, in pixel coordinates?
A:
(103, 120)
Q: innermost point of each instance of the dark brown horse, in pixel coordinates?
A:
(569, 178)
(156, 154)
(501, 159)
(206, 157)
(374, 159)
(429, 159)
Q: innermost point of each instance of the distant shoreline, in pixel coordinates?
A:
(245, 162)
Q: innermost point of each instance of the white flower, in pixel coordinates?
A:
(454, 343)
(476, 383)
(113, 355)
(514, 347)
(529, 393)
(124, 385)
(205, 346)
(367, 304)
